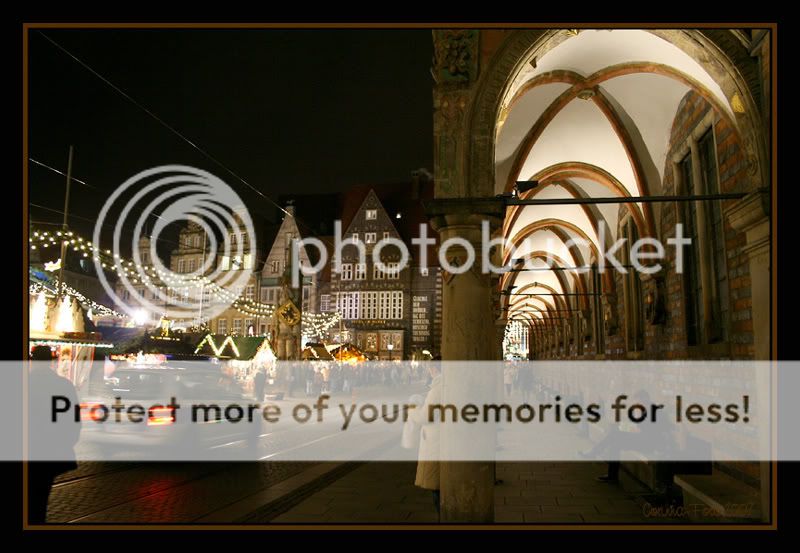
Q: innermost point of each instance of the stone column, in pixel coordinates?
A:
(751, 216)
(469, 332)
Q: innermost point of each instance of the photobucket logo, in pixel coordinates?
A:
(176, 194)
(643, 255)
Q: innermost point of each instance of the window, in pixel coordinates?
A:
(236, 329)
(196, 241)
(225, 264)
(245, 239)
(190, 266)
(232, 237)
(632, 291)
(361, 271)
(275, 266)
(715, 230)
(325, 303)
(222, 326)
(369, 309)
(691, 261)
(372, 214)
(347, 271)
(384, 305)
(704, 256)
(349, 305)
(145, 255)
(206, 295)
(268, 295)
(250, 292)
(397, 305)
(385, 235)
(248, 324)
(248, 261)
(370, 237)
(181, 265)
(392, 271)
(355, 237)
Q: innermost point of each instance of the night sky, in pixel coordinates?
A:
(288, 110)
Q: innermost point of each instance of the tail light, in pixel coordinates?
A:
(93, 411)
(160, 416)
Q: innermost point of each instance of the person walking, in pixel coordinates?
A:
(428, 465)
(52, 444)
(259, 381)
(508, 377)
(525, 381)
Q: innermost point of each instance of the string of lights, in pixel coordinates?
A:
(317, 323)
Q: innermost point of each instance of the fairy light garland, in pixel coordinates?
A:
(36, 287)
(318, 323)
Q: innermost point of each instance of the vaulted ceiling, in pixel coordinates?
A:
(591, 118)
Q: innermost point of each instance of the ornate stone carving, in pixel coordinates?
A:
(455, 55)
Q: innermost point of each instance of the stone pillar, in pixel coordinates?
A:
(751, 216)
(469, 332)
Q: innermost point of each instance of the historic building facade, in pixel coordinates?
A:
(391, 311)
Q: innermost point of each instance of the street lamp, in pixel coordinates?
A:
(390, 347)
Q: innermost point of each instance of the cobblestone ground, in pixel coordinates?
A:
(158, 492)
(543, 493)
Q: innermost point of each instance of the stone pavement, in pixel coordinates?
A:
(530, 493)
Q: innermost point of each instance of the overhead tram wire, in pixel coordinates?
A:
(173, 130)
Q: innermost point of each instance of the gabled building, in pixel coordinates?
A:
(393, 311)
(276, 262)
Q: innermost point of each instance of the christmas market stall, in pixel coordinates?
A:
(242, 357)
(347, 353)
(62, 324)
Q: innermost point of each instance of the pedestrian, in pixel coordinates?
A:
(508, 377)
(648, 439)
(525, 381)
(428, 465)
(259, 381)
(52, 445)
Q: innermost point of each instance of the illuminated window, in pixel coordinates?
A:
(370, 237)
(361, 271)
(347, 271)
(222, 326)
(236, 329)
(372, 214)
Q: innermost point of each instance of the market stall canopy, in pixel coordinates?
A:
(242, 348)
(347, 352)
(316, 352)
(153, 342)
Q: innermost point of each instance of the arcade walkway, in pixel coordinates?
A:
(530, 493)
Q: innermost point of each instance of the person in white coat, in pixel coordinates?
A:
(428, 465)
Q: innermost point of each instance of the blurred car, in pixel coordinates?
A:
(172, 430)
